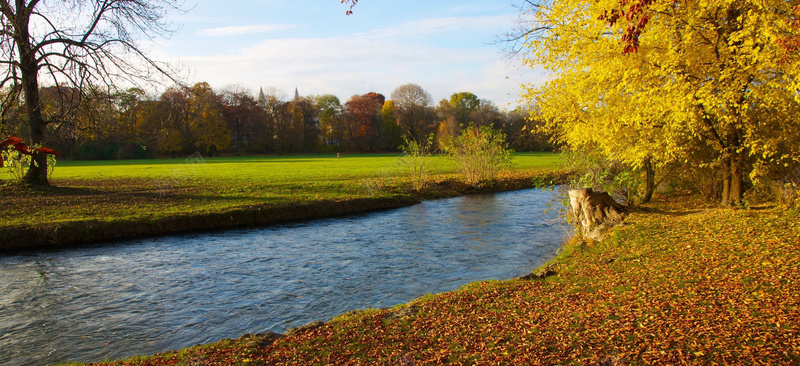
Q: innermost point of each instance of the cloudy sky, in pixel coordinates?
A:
(445, 46)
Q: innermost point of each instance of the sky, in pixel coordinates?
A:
(445, 46)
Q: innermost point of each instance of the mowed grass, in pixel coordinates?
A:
(135, 190)
(680, 283)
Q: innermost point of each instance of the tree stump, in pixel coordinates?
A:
(594, 212)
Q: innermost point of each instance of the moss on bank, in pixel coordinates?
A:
(679, 283)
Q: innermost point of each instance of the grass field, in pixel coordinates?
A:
(150, 189)
(680, 283)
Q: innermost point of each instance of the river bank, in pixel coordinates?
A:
(145, 296)
(679, 283)
(43, 234)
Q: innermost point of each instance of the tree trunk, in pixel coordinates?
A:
(733, 181)
(737, 180)
(37, 172)
(650, 180)
(726, 181)
(594, 211)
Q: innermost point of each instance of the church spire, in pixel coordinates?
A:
(296, 95)
(262, 98)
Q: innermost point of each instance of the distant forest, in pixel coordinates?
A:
(129, 124)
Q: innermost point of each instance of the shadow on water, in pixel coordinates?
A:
(150, 295)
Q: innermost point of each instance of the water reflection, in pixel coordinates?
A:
(150, 295)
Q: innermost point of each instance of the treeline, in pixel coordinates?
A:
(102, 124)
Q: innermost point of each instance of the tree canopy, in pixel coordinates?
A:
(705, 84)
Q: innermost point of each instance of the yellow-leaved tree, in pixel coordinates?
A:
(205, 119)
(709, 84)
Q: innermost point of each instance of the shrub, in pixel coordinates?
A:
(415, 160)
(480, 153)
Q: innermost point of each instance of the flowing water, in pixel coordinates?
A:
(150, 295)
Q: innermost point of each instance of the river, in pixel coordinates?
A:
(150, 295)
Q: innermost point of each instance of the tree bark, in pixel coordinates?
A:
(726, 181)
(733, 180)
(737, 180)
(37, 172)
(594, 211)
(650, 181)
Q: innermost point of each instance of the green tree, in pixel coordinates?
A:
(455, 112)
(330, 120)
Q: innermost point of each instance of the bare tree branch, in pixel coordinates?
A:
(76, 44)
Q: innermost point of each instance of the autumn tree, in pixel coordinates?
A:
(362, 118)
(390, 133)
(702, 78)
(176, 134)
(209, 130)
(455, 112)
(73, 43)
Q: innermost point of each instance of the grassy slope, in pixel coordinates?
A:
(680, 283)
(132, 189)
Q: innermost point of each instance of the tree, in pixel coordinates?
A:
(362, 117)
(241, 113)
(330, 120)
(518, 124)
(205, 120)
(455, 112)
(273, 107)
(176, 134)
(413, 111)
(390, 135)
(701, 73)
(486, 114)
(77, 42)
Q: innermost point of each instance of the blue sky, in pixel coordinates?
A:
(444, 46)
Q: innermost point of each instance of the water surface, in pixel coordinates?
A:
(150, 295)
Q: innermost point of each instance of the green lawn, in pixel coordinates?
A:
(150, 189)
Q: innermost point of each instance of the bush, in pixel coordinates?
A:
(17, 164)
(479, 152)
(415, 160)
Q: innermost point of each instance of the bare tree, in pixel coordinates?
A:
(241, 113)
(74, 43)
(414, 112)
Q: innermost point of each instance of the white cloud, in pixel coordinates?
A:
(243, 30)
(357, 63)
